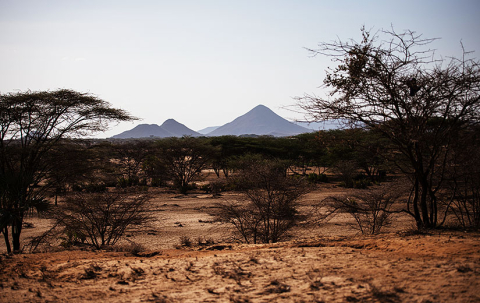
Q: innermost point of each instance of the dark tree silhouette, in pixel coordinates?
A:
(181, 159)
(31, 125)
(373, 86)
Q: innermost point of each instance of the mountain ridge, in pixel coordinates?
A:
(258, 121)
(169, 128)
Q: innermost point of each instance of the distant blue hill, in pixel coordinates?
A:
(207, 130)
(260, 121)
(326, 125)
(169, 128)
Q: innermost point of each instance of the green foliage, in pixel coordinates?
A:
(128, 182)
(90, 187)
(362, 183)
(72, 238)
(317, 178)
(157, 182)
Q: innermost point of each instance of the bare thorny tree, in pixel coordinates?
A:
(96, 219)
(270, 208)
(371, 209)
(392, 83)
(103, 218)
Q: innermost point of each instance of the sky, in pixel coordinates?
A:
(202, 63)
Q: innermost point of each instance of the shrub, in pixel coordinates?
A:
(347, 171)
(271, 207)
(90, 187)
(362, 183)
(371, 209)
(102, 219)
(127, 182)
(215, 187)
(317, 178)
(157, 182)
(186, 241)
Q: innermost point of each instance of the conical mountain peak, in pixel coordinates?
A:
(259, 121)
(178, 129)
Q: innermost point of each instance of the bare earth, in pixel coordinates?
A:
(331, 263)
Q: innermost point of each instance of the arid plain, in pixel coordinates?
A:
(325, 262)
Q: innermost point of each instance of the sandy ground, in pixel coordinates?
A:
(389, 268)
(325, 263)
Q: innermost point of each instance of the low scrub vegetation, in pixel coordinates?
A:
(371, 209)
(271, 182)
(98, 220)
(270, 209)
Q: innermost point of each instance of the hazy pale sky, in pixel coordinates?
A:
(202, 63)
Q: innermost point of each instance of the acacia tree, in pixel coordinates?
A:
(131, 156)
(31, 125)
(181, 159)
(354, 149)
(73, 165)
(392, 83)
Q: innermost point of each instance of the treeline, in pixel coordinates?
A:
(357, 156)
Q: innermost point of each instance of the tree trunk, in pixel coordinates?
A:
(7, 240)
(424, 206)
(217, 171)
(416, 211)
(16, 231)
(434, 209)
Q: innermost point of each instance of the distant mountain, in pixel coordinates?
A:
(257, 122)
(326, 125)
(207, 130)
(169, 128)
(178, 129)
(260, 121)
(144, 131)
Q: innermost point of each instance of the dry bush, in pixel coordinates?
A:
(371, 209)
(347, 171)
(101, 219)
(269, 210)
(185, 241)
(463, 186)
